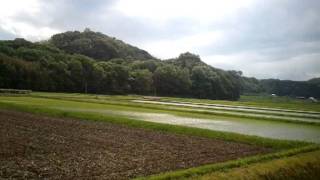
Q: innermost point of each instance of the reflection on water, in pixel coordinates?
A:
(253, 112)
(263, 128)
(271, 129)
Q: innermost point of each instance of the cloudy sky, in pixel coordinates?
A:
(262, 38)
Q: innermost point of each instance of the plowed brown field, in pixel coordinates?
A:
(34, 146)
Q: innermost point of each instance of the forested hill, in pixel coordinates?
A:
(304, 89)
(97, 45)
(96, 63)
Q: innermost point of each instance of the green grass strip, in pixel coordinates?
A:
(248, 139)
(303, 166)
(177, 109)
(198, 171)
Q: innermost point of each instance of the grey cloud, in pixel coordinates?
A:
(99, 15)
(302, 67)
(277, 32)
(270, 25)
(285, 33)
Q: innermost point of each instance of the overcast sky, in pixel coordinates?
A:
(262, 38)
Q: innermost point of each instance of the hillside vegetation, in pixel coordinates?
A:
(97, 45)
(300, 89)
(95, 63)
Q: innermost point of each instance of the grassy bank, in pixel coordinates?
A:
(208, 171)
(125, 101)
(304, 166)
(259, 101)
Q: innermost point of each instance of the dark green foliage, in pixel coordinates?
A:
(151, 65)
(141, 81)
(172, 80)
(95, 63)
(292, 88)
(97, 46)
(315, 81)
(15, 91)
(250, 85)
(204, 81)
(301, 89)
(296, 89)
(187, 60)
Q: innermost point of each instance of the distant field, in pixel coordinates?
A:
(260, 101)
(263, 101)
(184, 135)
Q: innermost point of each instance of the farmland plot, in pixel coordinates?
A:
(36, 146)
(262, 128)
(130, 140)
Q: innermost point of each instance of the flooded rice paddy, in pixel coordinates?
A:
(263, 128)
(251, 112)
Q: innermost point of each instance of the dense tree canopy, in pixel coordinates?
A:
(292, 88)
(97, 46)
(304, 89)
(95, 63)
(172, 80)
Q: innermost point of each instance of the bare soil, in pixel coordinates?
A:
(40, 147)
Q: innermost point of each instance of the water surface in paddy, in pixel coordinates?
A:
(263, 128)
(271, 129)
(292, 116)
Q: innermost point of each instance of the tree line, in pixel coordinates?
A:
(63, 65)
(91, 62)
(305, 89)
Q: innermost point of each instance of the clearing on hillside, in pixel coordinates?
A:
(34, 146)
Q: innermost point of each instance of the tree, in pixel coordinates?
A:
(115, 79)
(95, 63)
(203, 82)
(97, 45)
(141, 81)
(171, 80)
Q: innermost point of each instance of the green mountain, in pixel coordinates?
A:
(93, 62)
(97, 45)
(306, 89)
(96, 63)
(315, 81)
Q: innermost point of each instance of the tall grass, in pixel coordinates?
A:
(198, 171)
(304, 166)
